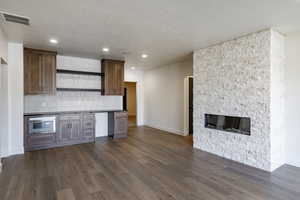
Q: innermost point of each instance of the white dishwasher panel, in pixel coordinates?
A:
(101, 124)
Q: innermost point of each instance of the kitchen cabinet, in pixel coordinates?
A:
(69, 128)
(34, 140)
(117, 124)
(76, 128)
(88, 127)
(112, 82)
(39, 72)
(48, 130)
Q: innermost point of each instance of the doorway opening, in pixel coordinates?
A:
(129, 102)
(188, 106)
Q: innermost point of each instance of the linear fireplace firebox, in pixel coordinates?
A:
(240, 125)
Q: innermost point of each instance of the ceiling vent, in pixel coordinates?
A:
(15, 19)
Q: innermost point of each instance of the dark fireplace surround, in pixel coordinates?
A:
(240, 125)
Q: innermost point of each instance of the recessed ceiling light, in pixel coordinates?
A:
(105, 49)
(53, 41)
(144, 55)
(133, 68)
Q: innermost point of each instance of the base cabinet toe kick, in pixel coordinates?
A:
(57, 130)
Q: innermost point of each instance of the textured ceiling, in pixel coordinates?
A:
(167, 30)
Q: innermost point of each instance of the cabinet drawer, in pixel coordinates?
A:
(88, 116)
(40, 140)
(89, 132)
(89, 124)
(70, 117)
(121, 114)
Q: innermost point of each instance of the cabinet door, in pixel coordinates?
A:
(32, 73)
(48, 75)
(39, 72)
(88, 127)
(119, 79)
(76, 129)
(69, 129)
(112, 83)
(121, 124)
(65, 131)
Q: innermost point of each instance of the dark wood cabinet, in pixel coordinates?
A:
(76, 128)
(121, 124)
(35, 141)
(117, 124)
(88, 126)
(39, 72)
(112, 82)
(71, 128)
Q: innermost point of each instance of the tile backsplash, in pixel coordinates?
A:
(72, 101)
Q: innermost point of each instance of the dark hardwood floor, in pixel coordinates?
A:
(149, 164)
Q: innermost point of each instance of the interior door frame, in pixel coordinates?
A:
(136, 99)
(186, 106)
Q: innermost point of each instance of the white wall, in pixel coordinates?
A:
(3, 46)
(138, 77)
(12, 99)
(4, 112)
(278, 132)
(292, 100)
(3, 96)
(15, 97)
(164, 96)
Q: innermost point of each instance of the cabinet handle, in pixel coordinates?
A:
(69, 125)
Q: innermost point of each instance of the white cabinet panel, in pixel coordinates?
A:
(101, 124)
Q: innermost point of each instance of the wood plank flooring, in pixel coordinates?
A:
(149, 164)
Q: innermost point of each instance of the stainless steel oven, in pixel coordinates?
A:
(42, 125)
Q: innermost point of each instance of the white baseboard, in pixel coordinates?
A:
(295, 163)
(186, 132)
(170, 130)
(12, 152)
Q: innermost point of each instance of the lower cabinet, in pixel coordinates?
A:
(68, 129)
(88, 127)
(117, 124)
(76, 128)
(40, 141)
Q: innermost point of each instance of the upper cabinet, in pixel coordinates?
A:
(112, 82)
(39, 72)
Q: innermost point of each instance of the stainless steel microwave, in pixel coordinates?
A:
(42, 125)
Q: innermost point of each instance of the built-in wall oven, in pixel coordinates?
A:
(42, 125)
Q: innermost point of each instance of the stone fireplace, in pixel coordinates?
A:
(242, 78)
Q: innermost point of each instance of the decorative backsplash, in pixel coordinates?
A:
(70, 101)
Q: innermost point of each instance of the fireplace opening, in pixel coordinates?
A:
(241, 125)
